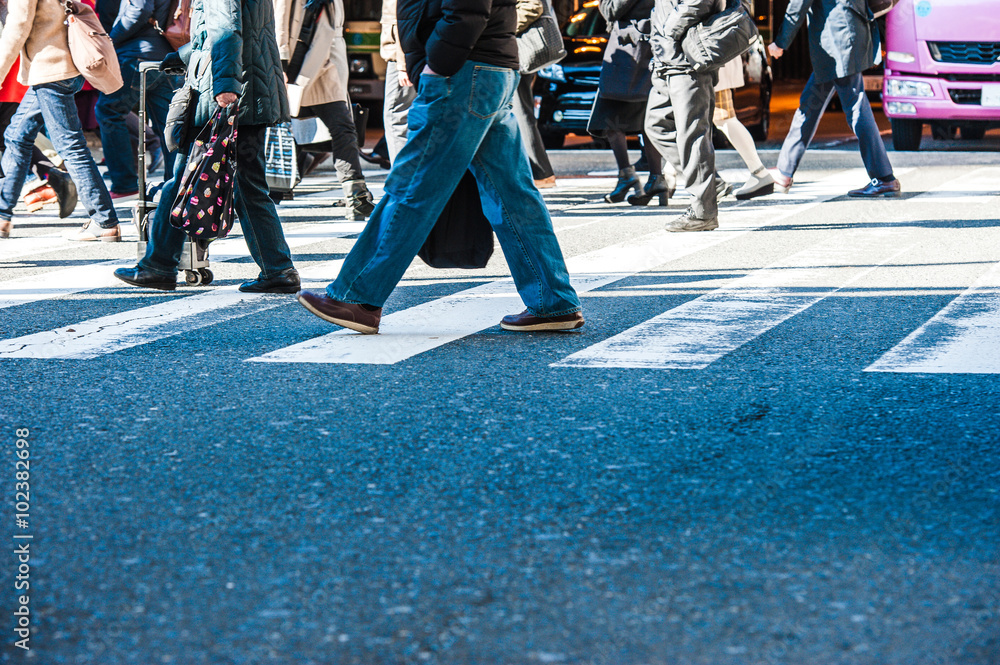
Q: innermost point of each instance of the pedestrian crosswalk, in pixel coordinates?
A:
(961, 338)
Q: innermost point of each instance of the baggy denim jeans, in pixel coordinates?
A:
(258, 217)
(111, 113)
(457, 123)
(53, 106)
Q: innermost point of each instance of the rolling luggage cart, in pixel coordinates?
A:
(194, 257)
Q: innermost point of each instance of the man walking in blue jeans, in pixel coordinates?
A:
(462, 56)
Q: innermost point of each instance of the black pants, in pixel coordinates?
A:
(524, 111)
(339, 120)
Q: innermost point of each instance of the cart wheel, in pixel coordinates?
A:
(206, 276)
(192, 277)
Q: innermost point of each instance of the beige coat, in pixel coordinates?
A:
(330, 83)
(35, 31)
(389, 46)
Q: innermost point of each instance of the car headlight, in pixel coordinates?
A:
(904, 88)
(899, 56)
(553, 73)
(360, 65)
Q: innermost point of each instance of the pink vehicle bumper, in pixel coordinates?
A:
(951, 100)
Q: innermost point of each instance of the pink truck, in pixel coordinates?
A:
(942, 67)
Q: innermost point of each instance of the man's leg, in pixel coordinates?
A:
(660, 127)
(444, 135)
(812, 103)
(165, 243)
(859, 115)
(159, 92)
(524, 112)
(258, 216)
(339, 120)
(111, 111)
(63, 124)
(19, 141)
(692, 99)
(398, 99)
(521, 221)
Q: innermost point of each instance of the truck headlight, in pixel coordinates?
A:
(900, 108)
(553, 73)
(904, 88)
(899, 56)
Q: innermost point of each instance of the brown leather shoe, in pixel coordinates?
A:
(37, 198)
(345, 314)
(527, 322)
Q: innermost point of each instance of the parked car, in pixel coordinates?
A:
(564, 93)
(943, 68)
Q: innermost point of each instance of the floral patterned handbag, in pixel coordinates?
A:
(203, 208)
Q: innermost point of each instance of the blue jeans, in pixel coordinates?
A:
(457, 123)
(111, 113)
(52, 105)
(813, 102)
(255, 209)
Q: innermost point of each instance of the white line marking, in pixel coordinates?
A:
(108, 334)
(979, 186)
(428, 326)
(67, 281)
(699, 332)
(963, 338)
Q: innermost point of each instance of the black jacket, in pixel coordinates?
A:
(447, 33)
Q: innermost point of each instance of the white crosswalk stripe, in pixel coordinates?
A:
(979, 186)
(419, 329)
(963, 338)
(699, 332)
(78, 279)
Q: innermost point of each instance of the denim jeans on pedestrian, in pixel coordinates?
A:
(255, 209)
(458, 123)
(112, 110)
(52, 105)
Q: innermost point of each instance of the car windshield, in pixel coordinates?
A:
(586, 23)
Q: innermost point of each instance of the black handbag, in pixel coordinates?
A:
(881, 7)
(720, 38)
(625, 68)
(180, 114)
(462, 236)
(360, 116)
(203, 208)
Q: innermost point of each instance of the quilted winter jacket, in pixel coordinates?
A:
(232, 43)
(447, 33)
(671, 20)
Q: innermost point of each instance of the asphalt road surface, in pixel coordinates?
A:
(772, 443)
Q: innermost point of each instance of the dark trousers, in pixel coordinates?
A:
(255, 209)
(524, 111)
(339, 120)
(813, 102)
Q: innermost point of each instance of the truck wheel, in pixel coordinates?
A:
(973, 132)
(906, 133)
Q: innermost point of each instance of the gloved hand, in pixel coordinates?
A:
(172, 64)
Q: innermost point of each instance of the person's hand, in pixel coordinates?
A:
(427, 70)
(404, 80)
(775, 50)
(226, 98)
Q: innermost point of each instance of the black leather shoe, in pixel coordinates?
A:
(138, 277)
(287, 281)
(876, 188)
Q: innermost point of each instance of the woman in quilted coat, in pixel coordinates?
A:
(233, 58)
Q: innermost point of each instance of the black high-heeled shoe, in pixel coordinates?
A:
(657, 185)
(627, 179)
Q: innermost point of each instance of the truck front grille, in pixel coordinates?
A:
(975, 53)
(966, 96)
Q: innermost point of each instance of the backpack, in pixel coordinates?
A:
(178, 30)
(91, 48)
(720, 38)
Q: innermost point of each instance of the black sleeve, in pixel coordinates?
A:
(456, 34)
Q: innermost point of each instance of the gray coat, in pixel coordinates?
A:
(840, 35)
(232, 43)
(671, 20)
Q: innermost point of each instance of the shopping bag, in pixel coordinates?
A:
(281, 165)
(462, 236)
(203, 208)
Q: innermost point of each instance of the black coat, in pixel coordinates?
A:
(447, 33)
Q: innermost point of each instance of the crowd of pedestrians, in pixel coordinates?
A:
(454, 103)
